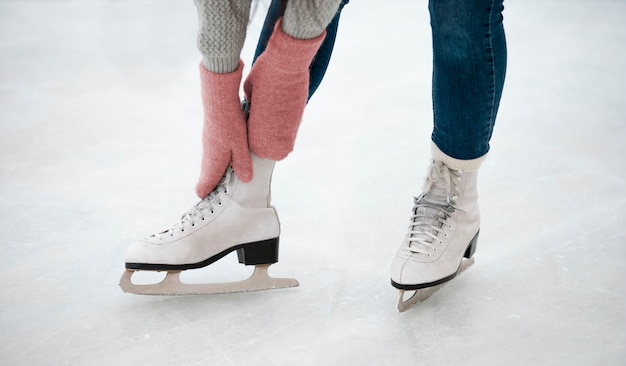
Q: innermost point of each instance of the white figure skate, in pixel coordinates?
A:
(236, 216)
(443, 230)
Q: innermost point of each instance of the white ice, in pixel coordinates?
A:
(99, 145)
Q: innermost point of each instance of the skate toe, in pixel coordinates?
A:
(407, 274)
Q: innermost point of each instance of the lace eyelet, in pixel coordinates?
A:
(220, 203)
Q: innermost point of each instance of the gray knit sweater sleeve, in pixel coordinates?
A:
(223, 25)
(221, 33)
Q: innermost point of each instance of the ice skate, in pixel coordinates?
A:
(236, 216)
(443, 231)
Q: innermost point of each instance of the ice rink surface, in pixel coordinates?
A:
(100, 118)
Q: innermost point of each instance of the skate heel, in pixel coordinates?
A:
(260, 252)
(471, 248)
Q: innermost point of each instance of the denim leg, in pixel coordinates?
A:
(321, 59)
(469, 66)
(274, 12)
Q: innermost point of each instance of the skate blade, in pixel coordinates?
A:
(419, 296)
(171, 284)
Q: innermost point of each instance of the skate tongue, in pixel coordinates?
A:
(427, 217)
(441, 186)
(432, 207)
(429, 214)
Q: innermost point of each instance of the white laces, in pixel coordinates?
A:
(205, 207)
(432, 208)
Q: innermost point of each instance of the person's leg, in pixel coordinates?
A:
(275, 11)
(234, 214)
(322, 58)
(469, 64)
(278, 84)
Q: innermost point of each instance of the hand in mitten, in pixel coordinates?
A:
(277, 89)
(224, 133)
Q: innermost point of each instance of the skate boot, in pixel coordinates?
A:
(236, 216)
(442, 231)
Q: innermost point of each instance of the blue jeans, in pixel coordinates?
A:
(322, 58)
(469, 65)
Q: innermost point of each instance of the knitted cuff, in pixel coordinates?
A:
(221, 33)
(221, 65)
(471, 165)
(307, 19)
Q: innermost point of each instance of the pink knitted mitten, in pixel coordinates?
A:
(277, 89)
(224, 134)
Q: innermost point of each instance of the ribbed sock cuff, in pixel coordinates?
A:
(471, 165)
